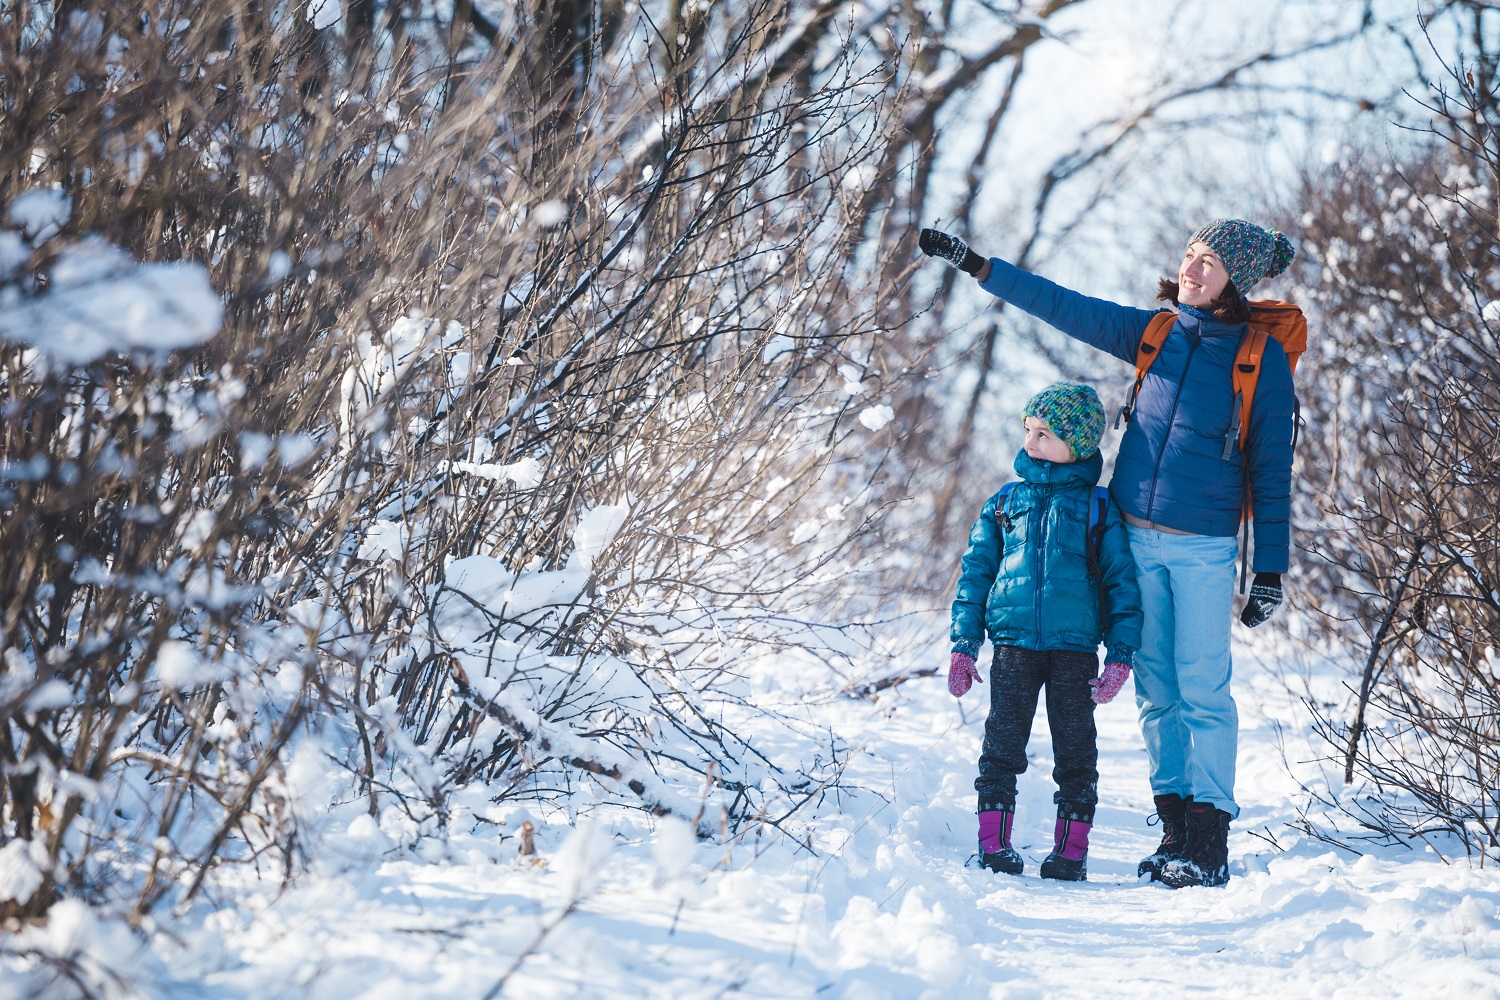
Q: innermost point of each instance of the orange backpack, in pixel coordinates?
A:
(1268, 318)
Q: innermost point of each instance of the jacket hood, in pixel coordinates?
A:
(1043, 473)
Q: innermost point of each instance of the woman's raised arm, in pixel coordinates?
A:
(1109, 326)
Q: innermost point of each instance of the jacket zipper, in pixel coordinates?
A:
(1039, 515)
(1167, 433)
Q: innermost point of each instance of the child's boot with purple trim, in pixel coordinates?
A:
(995, 852)
(1068, 861)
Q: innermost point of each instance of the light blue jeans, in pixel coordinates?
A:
(1182, 668)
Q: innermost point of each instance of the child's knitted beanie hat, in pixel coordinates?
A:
(1249, 252)
(1074, 413)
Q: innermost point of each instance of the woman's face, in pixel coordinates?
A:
(1201, 277)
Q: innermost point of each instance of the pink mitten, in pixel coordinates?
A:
(1108, 684)
(961, 674)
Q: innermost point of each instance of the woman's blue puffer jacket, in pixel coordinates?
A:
(1171, 469)
(1029, 585)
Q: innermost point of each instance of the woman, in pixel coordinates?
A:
(1181, 484)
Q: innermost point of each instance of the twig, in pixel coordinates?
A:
(1366, 682)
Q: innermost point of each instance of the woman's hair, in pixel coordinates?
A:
(1229, 307)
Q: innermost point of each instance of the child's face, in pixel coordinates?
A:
(1043, 445)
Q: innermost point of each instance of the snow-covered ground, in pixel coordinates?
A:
(875, 901)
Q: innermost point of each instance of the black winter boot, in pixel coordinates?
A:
(1172, 811)
(1205, 860)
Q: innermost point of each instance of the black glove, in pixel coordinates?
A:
(1265, 594)
(952, 249)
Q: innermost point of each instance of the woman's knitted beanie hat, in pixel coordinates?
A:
(1074, 413)
(1249, 252)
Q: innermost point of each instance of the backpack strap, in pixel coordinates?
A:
(1005, 492)
(1145, 356)
(1097, 509)
(1245, 377)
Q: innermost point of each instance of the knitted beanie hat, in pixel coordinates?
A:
(1074, 413)
(1249, 252)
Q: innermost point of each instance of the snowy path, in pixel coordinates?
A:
(884, 908)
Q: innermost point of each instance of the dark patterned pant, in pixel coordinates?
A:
(1016, 676)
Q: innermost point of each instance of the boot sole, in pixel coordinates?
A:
(1182, 878)
(1001, 866)
(1057, 873)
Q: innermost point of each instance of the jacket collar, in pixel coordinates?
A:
(1043, 473)
(1198, 324)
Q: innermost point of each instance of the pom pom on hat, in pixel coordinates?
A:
(1249, 252)
(1074, 413)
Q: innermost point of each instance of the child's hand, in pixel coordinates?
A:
(962, 674)
(1108, 684)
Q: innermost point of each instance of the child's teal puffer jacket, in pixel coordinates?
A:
(1030, 585)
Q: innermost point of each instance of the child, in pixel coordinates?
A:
(1046, 593)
